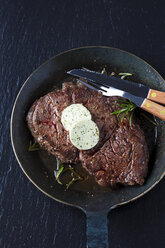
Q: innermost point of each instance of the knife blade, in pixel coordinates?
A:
(133, 88)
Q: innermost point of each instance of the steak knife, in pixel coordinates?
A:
(124, 88)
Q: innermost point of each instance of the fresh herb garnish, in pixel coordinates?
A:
(59, 172)
(33, 146)
(103, 71)
(124, 74)
(71, 182)
(112, 74)
(125, 108)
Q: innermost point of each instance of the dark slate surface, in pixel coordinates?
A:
(30, 33)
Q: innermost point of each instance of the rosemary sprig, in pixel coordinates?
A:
(103, 71)
(71, 182)
(58, 172)
(124, 74)
(61, 170)
(112, 74)
(125, 108)
(33, 146)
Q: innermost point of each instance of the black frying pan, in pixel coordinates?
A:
(95, 201)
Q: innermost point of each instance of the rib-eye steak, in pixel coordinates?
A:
(121, 155)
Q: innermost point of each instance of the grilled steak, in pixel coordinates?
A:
(44, 121)
(122, 159)
(121, 155)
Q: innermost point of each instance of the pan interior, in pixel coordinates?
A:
(39, 166)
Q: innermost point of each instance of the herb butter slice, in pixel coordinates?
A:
(73, 114)
(84, 134)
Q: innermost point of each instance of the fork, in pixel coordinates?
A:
(147, 105)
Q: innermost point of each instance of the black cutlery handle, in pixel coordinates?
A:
(97, 230)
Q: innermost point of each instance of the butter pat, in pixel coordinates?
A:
(73, 114)
(84, 134)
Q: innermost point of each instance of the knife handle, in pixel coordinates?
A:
(154, 108)
(157, 96)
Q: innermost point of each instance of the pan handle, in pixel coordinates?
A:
(97, 230)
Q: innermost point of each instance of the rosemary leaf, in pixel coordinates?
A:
(118, 112)
(130, 118)
(126, 107)
(58, 180)
(123, 115)
(103, 71)
(59, 173)
(61, 169)
(71, 182)
(33, 146)
(112, 74)
(124, 74)
(75, 173)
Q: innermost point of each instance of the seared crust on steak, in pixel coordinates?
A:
(44, 121)
(122, 159)
(121, 155)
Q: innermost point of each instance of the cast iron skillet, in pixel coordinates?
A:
(95, 201)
